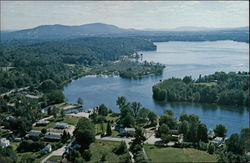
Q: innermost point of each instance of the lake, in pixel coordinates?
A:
(180, 58)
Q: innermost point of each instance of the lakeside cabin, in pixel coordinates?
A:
(218, 141)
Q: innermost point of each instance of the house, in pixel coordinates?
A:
(60, 125)
(53, 136)
(34, 133)
(47, 149)
(217, 140)
(127, 131)
(130, 131)
(211, 134)
(42, 123)
(4, 142)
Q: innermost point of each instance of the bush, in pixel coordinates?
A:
(186, 145)
(30, 146)
(202, 146)
(87, 155)
(211, 148)
(121, 149)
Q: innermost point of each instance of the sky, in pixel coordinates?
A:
(125, 14)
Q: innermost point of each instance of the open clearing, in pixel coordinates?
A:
(158, 154)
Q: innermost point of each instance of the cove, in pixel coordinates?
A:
(181, 59)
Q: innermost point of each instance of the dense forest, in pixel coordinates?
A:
(30, 63)
(130, 69)
(221, 88)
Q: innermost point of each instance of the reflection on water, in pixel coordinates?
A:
(181, 59)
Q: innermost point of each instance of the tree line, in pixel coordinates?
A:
(220, 87)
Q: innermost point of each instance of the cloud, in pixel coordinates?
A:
(127, 14)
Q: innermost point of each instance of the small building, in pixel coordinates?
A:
(34, 133)
(47, 149)
(170, 144)
(130, 130)
(217, 140)
(60, 125)
(17, 139)
(53, 136)
(4, 142)
(127, 131)
(42, 123)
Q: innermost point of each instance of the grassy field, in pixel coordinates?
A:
(70, 119)
(50, 125)
(100, 147)
(67, 119)
(157, 154)
(55, 158)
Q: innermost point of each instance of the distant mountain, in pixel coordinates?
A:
(57, 31)
(190, 28)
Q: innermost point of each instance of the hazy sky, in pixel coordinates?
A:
(126, 14)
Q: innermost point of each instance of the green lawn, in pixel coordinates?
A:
(158, 154)
(52, 124)
(70, 120)
(67, 119)
(36, 155)
(55, 158)
(100, 147)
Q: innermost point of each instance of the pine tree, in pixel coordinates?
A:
(108, 130)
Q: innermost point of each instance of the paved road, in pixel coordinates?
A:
(60, 151)
(14, 90)
(46, 118)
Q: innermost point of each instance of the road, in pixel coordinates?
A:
(46, 118)
(60, 151)
(14, 90)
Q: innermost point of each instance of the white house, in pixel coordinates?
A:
(217, 140)
(4, 142)
(48, 148)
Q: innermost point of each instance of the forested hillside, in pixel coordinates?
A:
(222, 88)
(30, 63)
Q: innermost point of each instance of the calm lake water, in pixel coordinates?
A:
(180, 58)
